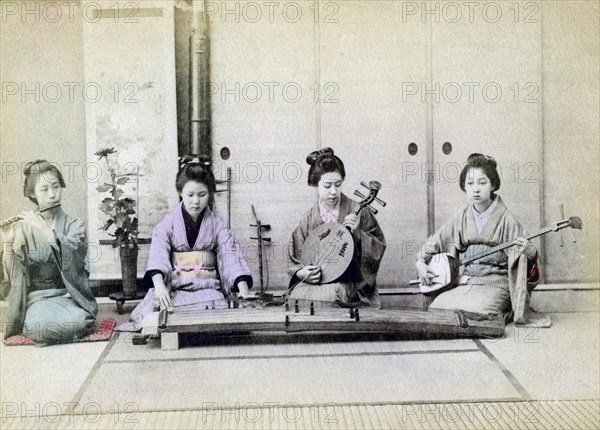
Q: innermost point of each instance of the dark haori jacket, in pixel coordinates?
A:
(369, 247)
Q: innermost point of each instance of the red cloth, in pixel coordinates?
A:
(103, 332)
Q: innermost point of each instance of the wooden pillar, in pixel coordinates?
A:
(199, 81)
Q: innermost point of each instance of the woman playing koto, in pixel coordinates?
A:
(195, 262)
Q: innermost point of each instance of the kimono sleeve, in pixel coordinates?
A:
(19, 284)
(7, 238)
(513, 229)
(230, 257)
(74, 236)
(159, 257)
(294, 249)
(446, 240)
(372, 246)
(71, 244)
(73, 247)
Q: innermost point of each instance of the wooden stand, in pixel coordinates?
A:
(412, 323)
(120, 299)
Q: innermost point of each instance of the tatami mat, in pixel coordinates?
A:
(446, 384)
(340, 379)
(560, 362)
(32, 376)
(124, 350)
(481, 416)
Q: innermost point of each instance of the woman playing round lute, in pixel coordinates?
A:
(358, 283)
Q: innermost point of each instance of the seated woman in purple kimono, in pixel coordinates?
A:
(195, 263)
(357, 284)
(493, 284)
(49, 299)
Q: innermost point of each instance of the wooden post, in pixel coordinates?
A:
(169, 341)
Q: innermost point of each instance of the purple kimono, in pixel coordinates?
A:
(170, 237)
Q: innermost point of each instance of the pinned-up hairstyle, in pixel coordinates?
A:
(323, 161)
(196, 168)
(33, 171)
(489, 167)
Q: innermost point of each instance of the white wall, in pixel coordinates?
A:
(551, 136)
(41, 57)
(257, 132)
(572, 136)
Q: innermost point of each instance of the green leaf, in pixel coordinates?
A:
(127, 205)
(104, 188)
(107, 225)
(106, 207)
(122, 180)
(104, 152)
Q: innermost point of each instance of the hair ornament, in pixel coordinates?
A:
(315, 155)
(188, 160)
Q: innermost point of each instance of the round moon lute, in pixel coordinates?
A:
(331, 247)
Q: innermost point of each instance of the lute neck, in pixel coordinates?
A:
(506, 245)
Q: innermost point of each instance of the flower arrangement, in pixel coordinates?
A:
(119, 209)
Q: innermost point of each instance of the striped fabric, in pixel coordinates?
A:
(487, 295)
(334, 292)
(499, 284)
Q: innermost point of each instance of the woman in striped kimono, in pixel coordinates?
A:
(49, 299)
(195, 263)
(357, 284)
(500, 283)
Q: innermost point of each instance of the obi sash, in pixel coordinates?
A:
(45, 276)
(191, 266)
(495, 264)
(45, 281)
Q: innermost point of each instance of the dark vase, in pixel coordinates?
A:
(129, 255)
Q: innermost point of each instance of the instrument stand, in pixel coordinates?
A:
(121, 299)
(262, 294)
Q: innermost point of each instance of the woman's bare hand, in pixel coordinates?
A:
(309, 274)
